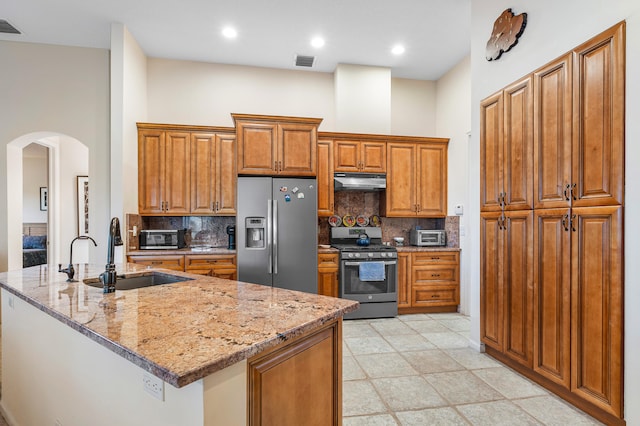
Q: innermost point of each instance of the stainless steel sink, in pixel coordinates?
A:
(138, 281)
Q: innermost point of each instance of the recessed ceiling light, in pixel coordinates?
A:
(229, 32)
(398, 49)
(317, 42)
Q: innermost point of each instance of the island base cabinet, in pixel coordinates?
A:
(299, 383)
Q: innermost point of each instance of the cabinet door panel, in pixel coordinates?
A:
(435, 274)
(552, 133)
(226, 175)
(491, 134)
(597, 301)
(426, 296)
(325, 178)
(150, 171)
(401, 182)
(297, 149)
(491, 291)
(598, 135)
(256, 148)
(552, 309)
(432, 180)
(517, 167)
(347, 156)
(173, 262)
(518, 285)
(203, 160)
(373, 157)
(177, 176)
(404, 280)
(436, 257)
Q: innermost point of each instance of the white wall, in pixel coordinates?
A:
(553, 28)
(413, 107)
(58, 90)
(453, 121)
(34, 176)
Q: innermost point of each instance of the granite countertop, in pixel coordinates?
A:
(327, 249)
(180, 332)
(188, 250)
(419, 249)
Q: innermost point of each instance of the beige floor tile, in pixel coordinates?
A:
(385, 365)
(497, 413)
(368, 345)
(392, 327)
(359, 398)
(458, 324)
(409, 342)
(462, 387)
(509, 383)
(428, 326)
(470, 359)
(431, 361)
(379, 420)
(414, 317)
(447, 340)
(551, 411)
(408, 393)
(445, 416)
(358, 328)
(447, 316)
(351, 369)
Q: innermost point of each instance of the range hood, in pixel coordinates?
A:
(359, 182)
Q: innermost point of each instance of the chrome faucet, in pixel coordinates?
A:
(69, 269)
(108, 277)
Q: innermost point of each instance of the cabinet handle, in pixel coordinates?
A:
(573, 195)
(280, 165)
(419, 208)
(275, 166)
(572, 222)
(435, 275)
(217, 205)
(567, 192)
(435, 258)
(156, 262)
(434, 296)
(564, 222)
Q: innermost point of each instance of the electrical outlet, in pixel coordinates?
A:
(153, 385)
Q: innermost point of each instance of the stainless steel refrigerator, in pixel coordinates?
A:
(276, 230)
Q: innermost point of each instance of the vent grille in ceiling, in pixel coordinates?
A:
(7, 28)
(305, 61)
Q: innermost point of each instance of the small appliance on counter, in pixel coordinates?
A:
(231, 232)
(428, 237)
(162, 239)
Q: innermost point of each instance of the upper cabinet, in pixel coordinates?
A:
(325, 177)
(506, 126)
(360, 156)
(416, 179)
(273, 145)
(185, 170)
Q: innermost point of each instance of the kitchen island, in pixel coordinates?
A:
(225, 352)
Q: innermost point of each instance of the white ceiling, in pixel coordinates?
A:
(435, 33)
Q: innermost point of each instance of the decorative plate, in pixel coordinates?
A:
(348, 220)
(375, 220)
(362, 220)
(335, 220)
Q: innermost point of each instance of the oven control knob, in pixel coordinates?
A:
(370, 255)
(383, 254)
(357, 254)
(350, 254)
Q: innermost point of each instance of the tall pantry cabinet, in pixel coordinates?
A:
(551, 229)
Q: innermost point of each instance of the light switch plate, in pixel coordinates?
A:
(459, 210)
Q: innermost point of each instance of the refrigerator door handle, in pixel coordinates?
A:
(275, 236)
(269, 246)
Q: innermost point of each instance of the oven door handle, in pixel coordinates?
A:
(393, 262)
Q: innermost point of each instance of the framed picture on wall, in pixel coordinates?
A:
(83, 205)
(44, 198)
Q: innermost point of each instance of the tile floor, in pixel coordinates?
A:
(418, 370)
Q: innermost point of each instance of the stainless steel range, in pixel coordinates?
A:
(368, 273)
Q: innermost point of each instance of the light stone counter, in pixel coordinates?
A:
(180, 332)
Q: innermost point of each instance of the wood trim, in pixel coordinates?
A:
(277, 118)
(381, 138)
(185, 128)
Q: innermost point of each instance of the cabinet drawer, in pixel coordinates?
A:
(445, 295)
(199, 261)
(439, 257)
(175, 262)
(328, 261)
(436, 275)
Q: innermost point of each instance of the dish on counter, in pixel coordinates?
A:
(348, 220)
(362, 220)
(375, 220)
(335, 220)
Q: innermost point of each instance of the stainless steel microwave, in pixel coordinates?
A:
(162, 239)
(428, 237)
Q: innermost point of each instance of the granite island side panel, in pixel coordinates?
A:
(180, 332)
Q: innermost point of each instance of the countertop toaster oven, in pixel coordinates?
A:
(428, 237)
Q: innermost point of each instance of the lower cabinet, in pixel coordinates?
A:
(328, 274)
(214, 265)
(428, 281)
(299, 383)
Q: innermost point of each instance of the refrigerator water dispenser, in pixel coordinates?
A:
(255, 232)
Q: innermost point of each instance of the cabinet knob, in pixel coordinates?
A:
(435, 275)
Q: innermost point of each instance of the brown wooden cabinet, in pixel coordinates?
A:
(299, 382)
(215, 265)
(328, 274)
(416, 180)
(325, 178)
(506, 126)
(428, 281)
(575, 298)
(271, 145)
(360, 156)
(213, 174)
(163, 172)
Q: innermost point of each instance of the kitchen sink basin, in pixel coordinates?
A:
(131, 282)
